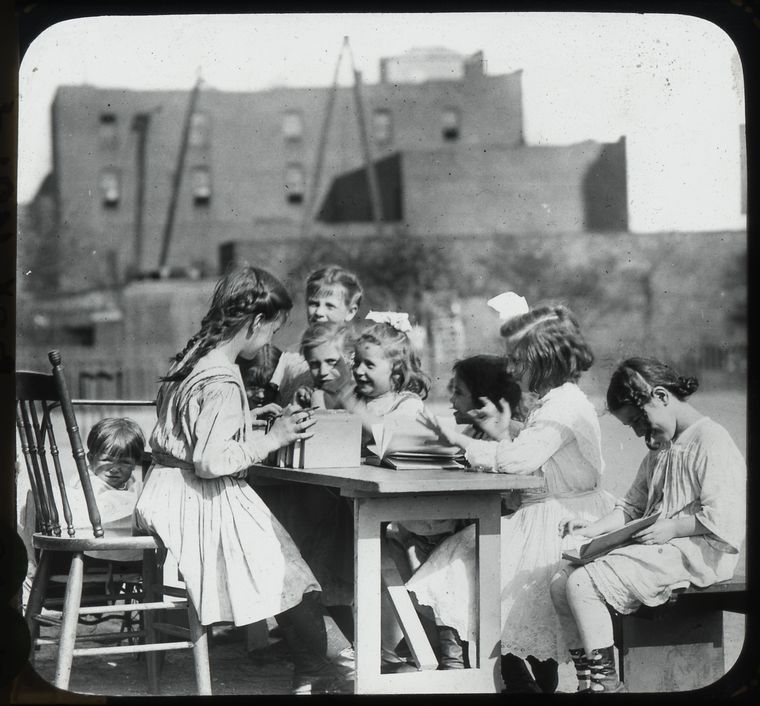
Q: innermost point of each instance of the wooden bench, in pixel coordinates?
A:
(678, 646)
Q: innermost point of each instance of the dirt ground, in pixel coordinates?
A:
(235, 670)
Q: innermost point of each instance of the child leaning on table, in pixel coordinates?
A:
(333, 294)
(327, 348)
(115, 446)
(695, 477)
(237, 561)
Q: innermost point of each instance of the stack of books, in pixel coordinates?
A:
(406, 444)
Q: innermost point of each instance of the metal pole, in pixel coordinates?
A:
(313, 190)
(140, 124)
(374, 190)
(177, 180)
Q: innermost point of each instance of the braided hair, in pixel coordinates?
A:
(242, 294)
(547, 343)
(634, 379)
(406, 372)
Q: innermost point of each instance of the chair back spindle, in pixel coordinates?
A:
(36, 395)
(77, 448)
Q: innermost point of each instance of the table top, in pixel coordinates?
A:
(373, 480)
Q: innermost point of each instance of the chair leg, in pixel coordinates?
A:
(71, 602)
(150, 584)
(37, 599)
(199, 636)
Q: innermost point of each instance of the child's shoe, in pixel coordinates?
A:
(604, 678)
(582, 670)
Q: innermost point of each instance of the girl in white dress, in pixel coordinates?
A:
(236, 560)
(561, 445)
(695, 477)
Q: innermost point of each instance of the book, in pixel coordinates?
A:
(604, 543)
(405, 443)
(336, 443)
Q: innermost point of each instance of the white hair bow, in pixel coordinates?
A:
(398, 319)
(509, 305)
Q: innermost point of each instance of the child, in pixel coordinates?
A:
(387, 373)
(318, 519)
(115, 447)
(257, 374)
(695, 476)
(333, 294)
(236, 560)
(327, 349)
(482, 380)
(561, 444)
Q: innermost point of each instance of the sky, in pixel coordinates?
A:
(671, 84)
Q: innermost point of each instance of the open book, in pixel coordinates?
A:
(599, 546)
(405, 443)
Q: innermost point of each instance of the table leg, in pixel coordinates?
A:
(369, 512)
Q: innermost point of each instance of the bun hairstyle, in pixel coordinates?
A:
(322, 332)
(547, 343)
(487, 376)
(242, 294)
(406, 372)
(333, 276)
(634, 379)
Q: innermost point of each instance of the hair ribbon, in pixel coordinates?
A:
(398, 319)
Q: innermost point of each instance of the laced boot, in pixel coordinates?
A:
(452, 652)
(582, 670)
(604, 678)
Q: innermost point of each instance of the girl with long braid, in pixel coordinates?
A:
(237, 561)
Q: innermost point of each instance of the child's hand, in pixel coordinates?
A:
(428, 420)
(493, 422)
(294, 424)
(568, 526)
(660, 532)
(302, 397)
(272, 409)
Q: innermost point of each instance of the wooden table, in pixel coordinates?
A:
(381, 495)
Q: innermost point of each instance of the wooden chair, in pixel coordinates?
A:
(37, 394)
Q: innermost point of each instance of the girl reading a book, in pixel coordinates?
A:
(237, 561)
(560, 444)
(694, 476)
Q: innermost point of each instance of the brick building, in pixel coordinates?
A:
(445, 137)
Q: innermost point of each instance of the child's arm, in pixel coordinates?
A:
(664, 530)
(218, 450)
(613, 520)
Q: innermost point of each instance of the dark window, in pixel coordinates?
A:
(382, 126)
(110, 188)
(201, 179)
(200, 130)
(294, 183)
(292, 126)
(450, 124)
(108, 131)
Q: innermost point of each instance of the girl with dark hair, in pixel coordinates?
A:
(560, 443)
(257, 375)
(695, 477)
(237, 561)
